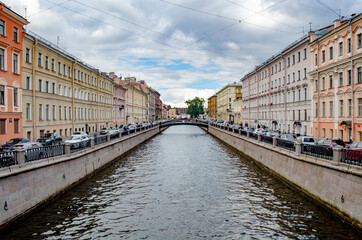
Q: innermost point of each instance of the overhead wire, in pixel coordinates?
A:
(56, 5)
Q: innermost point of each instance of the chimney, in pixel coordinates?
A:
(337, 23)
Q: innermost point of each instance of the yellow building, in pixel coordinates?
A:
(61, 93)
(226, 107)
(211, 107)
(137, 101)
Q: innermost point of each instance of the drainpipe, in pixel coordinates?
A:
(352, 84)
(285, 92)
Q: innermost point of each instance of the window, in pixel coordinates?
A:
(54, 113)
(323, 109)
(340, 79)
(59, 67)
(323, 56)
(299, 94)
(40, 59)
(359, 40)
(340, 47)
(341, 108)
(305, 53)
(359, 107)
(2, 95)
(2, 59)
(323, 83)
(16, 33)
(53, 65)
(349, 74)
(2, 28)
(293, 77)
(305, 72)
(28, 111)
(47, 114)
(349, 45)
(65, 91)
(75, 73)
(2, 126)
(293, 96)
(330, 53)
(298, 56)
(331, 81)
(316, 59)
(40, 85)
(69, 72)
(46, 62)
(64, 70)
(288, 61)
(60, 113)
(15, 96)
(359, 75)
(293, 59)
(305, 93)
(15, 63)
(316, 85)
(27, 55)
(70, 113)
(40, 111)
(316, 110)
(331, 108)
(65, 112)
(298, 74)
(305, 115)
(27, 83)
(46, 86)
(349, 107)
(53, 88)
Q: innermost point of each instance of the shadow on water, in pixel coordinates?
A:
(183, 184)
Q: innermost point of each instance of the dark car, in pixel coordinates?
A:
(7, 146)
(331, 142)
(50, 139)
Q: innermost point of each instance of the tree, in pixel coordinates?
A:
(195, 106)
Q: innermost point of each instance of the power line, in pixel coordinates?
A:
(56, 5)
(130, 22)
(326, 6)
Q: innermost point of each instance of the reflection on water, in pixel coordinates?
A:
(183, 184)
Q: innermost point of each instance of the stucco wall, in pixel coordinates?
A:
(28, 186)
(339, 187)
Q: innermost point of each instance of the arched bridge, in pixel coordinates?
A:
(184, 122)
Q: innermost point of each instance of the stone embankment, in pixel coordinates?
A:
(335, 185)
(28, 186)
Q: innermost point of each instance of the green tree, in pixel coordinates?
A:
(195, 106)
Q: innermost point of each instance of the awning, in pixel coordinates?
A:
(346, 123)
(297, 123)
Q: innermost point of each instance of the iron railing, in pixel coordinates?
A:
(243, 133)
(253, 135)
(352, 156)
(318, 151)
(44, 152)
(286, 144)
(267, 139)
(7, 159)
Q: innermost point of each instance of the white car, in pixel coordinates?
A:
(77, 141)
(79, 134)
(33, 150)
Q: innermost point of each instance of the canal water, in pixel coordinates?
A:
(183, 184)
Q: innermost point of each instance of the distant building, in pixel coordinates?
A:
(212, 107)
(136, 108)
(11, 55)
(119, 100)
(224, 102)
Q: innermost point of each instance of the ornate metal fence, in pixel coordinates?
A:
(351, 156)
(318, 151)
(286, 144)
(253, 135)
(7, 159)
(267, 139)
(100, 139)
(44, 152)
(243, 133)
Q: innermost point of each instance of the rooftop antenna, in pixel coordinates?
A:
(303, 30)
(26, 16)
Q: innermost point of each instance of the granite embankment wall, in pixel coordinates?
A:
(336, 185)
(25, 187)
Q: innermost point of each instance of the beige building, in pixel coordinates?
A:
(137, 101)
(226, 104)
(61, 93)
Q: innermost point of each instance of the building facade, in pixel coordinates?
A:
(211, 107)
(11, 54)
(276, 93)
(119, 100)
(336, 77)
(61, 93)
(152, 104)
(225, 99)
(136, 105)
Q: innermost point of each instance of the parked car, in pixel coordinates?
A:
(306, 140)
(78, 141)
(272, 134)
(8, 145)
(37, 153)
(50, 139)
(355, 146)
(249, 129)
(288, 137)
(79, 133)
(111, 131)
(331, 142)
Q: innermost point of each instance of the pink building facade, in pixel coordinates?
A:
(336, 79)
(119, 100)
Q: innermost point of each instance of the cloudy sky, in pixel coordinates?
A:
(182, 48)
